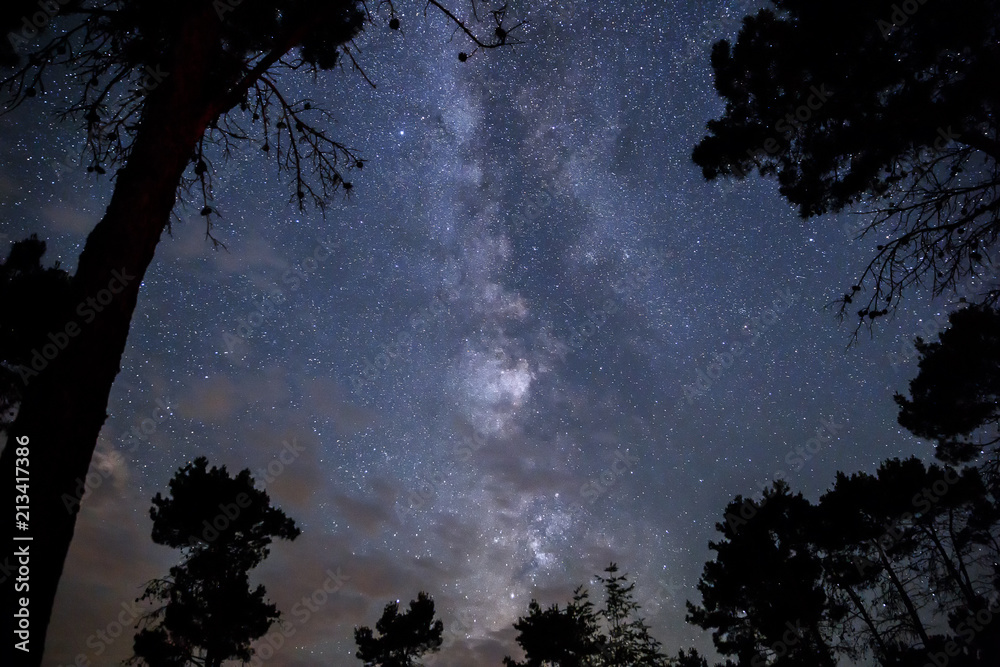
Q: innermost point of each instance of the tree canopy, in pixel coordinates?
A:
(566, 637)
(953, 399)
(887, 568)
(581, 636)
(765, 580)
(403, 638)
(202, 499)
(208, 613)
(891, 105)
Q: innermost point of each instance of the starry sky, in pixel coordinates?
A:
(533, 340)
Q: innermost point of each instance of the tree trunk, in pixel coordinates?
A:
(915, 622)
(958, 551)
(65, 406)
(971, 599)
(883, 651)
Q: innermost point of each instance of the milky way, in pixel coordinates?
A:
(537, 340)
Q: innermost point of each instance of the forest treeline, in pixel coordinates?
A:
(887, 105)
(896, 568)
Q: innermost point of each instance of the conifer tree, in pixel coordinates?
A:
(207, 612)
(403, 638)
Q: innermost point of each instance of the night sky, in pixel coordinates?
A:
(582, 350)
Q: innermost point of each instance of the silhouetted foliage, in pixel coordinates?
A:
(567, 637)
(763, 595)
(35, 305)
(873, 572)
(691, 659)
(579, 636)
(189, 518)
(166, 93)
(955, 395)
(402, 638)
(906, 547)
(694, 659)
(628, 639)
(840, 106)
(208, 612)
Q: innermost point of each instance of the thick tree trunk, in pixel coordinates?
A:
(65, 407)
